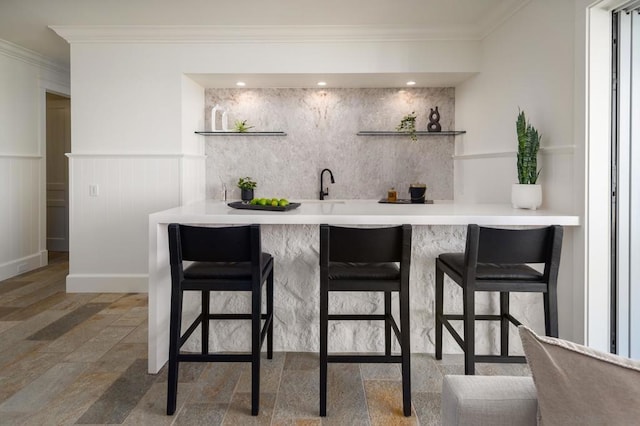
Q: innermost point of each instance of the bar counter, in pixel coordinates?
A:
(438, 227)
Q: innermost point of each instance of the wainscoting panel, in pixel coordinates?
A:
(111, 199)
(20, 209)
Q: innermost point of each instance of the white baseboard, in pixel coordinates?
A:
(25, 264)
(107, 283)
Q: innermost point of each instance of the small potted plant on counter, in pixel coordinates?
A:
(527, 194)
(246, 185)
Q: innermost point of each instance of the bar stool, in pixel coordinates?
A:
(365, 259)
(224, 259)
(496, 260)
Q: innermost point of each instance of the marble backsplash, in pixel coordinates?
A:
(321, 127)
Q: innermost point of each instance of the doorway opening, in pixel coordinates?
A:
(58, 143)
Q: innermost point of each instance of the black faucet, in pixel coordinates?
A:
(322, 191)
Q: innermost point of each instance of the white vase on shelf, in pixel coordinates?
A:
(526, 196)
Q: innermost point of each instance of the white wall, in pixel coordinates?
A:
(527, 63)
(24, 79)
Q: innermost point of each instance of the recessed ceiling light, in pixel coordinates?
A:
(411, 83)
(241, 84)
(322, 83)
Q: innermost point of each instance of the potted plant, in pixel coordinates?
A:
(527, 194)
(241, 126)
(408, 125)
(246, 185)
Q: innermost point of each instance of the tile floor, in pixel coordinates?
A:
(81, 359)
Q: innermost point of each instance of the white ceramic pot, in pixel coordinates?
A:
(526, 196)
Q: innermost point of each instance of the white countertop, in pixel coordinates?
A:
(366, 212)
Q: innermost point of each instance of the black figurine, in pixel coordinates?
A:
(434, 121)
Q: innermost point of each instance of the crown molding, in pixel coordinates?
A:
(30, 57)
(256, 33)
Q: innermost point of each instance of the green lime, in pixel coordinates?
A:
(262, 202)
(254, 201)
(283, 202)
(274, 203)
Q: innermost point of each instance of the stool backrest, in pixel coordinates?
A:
(340, 244)
(515, 246)
(204, 244)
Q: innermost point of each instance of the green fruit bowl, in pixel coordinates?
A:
(243, 206)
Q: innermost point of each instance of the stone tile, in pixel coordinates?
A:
(297, 422)
(425, 374)
(24, 295)
(35, 308)
(239, 411)
(302, 361)
(117, 402)
(139, 335)
(427, 406)
(384, 398)
(189, 372)
(120, 357)
(15, 418)
(67, 322)
(38, 393)
(125, 303)
(39, 294)
(217, 383)
(455, 369)
(75, 338)
(298, 396)
(382, 371)
(491, 369)
(28, 327)
(270, 373)
(73, 301)
(133, 318)
(6, 325)
(15, 352)
(98, 346)
(9, 285)
(195, 414)
(25, 370)
(69, 405)
(152, 408)
(107, 297)
(346, 402)
(6, 311)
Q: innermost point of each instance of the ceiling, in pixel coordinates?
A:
(26, 22)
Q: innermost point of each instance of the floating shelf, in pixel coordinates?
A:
(418, 133)
(231, 133)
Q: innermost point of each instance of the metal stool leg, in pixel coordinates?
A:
(439, 309)
(405, 334)
(468, 296)
(504, 323)
(324, 330)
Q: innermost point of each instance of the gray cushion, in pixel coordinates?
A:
(577, 385)
(492, 271)
(363, 271)
(223, 270)
(488, 400)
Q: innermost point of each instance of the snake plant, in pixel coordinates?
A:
(528, 145)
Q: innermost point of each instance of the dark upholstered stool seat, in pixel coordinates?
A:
(363, 271)
(493, 271)
(224, 270)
